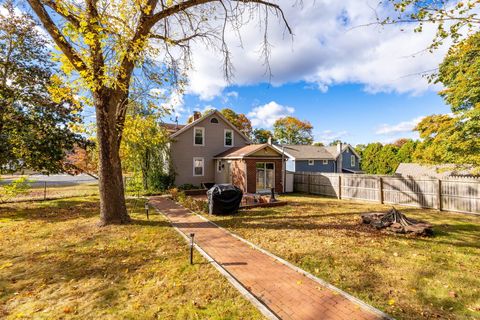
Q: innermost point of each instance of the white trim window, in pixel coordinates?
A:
(311, 162)
(228, 138)
(198, 166)
(198, 136)
(352, 160)
(325, 161)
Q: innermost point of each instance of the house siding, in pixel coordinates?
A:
(318, 166)
(183, 151)
(346, 160)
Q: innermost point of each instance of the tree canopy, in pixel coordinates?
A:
(35, 120)
(291, 130)
(262, 135)
(119, 49)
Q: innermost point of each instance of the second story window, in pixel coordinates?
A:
(228, 141)
(352, 160)
(199, 136)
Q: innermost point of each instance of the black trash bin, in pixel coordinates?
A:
(224, 199)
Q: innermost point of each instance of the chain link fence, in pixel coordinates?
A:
(14, 188)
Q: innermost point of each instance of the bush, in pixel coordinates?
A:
(189, 186)
(18, 187)
(195, 205)
(134, 184)
(159, 181)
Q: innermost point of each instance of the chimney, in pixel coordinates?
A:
(196, 115)
(339, 147)
(269, 141)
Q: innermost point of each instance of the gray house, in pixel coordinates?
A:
(308, 158)
(210, 149)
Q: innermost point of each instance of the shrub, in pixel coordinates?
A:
(159, 181)
(193, 204)
(20, 186)
(188, 186)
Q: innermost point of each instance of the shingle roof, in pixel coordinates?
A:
(172, 127)
(240, 152)
(432, 171)
(310, 152)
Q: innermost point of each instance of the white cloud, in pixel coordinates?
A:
(266, 115)
(175, 103)
(327, 49)
(401, 127)
(328, 136)
(233, 94)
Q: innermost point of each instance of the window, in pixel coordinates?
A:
(198, 136)
(214, 120)
(352, 160)
(325, 161)
(228, 138)
(198, 167)
(219, 165)
(311, 162)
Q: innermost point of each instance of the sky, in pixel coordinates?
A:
(353, 82)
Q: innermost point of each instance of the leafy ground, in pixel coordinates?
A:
(409, 278)
(56, 263)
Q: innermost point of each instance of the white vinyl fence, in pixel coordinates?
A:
(462, 195)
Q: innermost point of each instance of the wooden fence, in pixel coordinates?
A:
(462, 195)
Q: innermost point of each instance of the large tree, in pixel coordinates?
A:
(291, 130)
(450, 138)
(35, 119)
(107, 43)
(262, 135)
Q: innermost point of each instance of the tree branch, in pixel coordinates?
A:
(57, 36)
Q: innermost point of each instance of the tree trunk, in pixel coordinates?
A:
(112, 198)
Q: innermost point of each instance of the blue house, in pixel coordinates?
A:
(341, 158)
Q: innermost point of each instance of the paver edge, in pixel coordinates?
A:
(237, 284)
(320, 281)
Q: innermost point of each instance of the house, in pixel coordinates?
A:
(210, 149)
(309, 158)
(440, 171)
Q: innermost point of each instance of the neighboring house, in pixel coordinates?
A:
(441, 171)
(212, 150)
(308, 158)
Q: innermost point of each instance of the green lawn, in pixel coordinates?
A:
(409, 278)
(55, 263)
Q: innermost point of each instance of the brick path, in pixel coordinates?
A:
(286, 292)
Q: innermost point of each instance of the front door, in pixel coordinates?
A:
(265, 176)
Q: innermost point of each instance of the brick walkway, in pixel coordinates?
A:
(286, 292)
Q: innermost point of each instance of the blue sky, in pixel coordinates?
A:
(359, 84)
(344, 111)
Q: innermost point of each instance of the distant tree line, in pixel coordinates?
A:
(384, 159)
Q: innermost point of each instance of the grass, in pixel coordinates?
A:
(55, 263)
(409, 278)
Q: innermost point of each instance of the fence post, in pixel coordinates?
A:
(380, 189)
(44, 190)
(309, 176)
(439, 195)
(339, 187)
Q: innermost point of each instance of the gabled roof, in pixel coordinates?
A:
(172, 127)
(306, 152)
(202, 118)
(242, 152)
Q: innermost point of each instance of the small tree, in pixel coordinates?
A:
(291, 130)
(262, 135)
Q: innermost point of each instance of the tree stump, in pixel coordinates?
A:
(397, 222)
